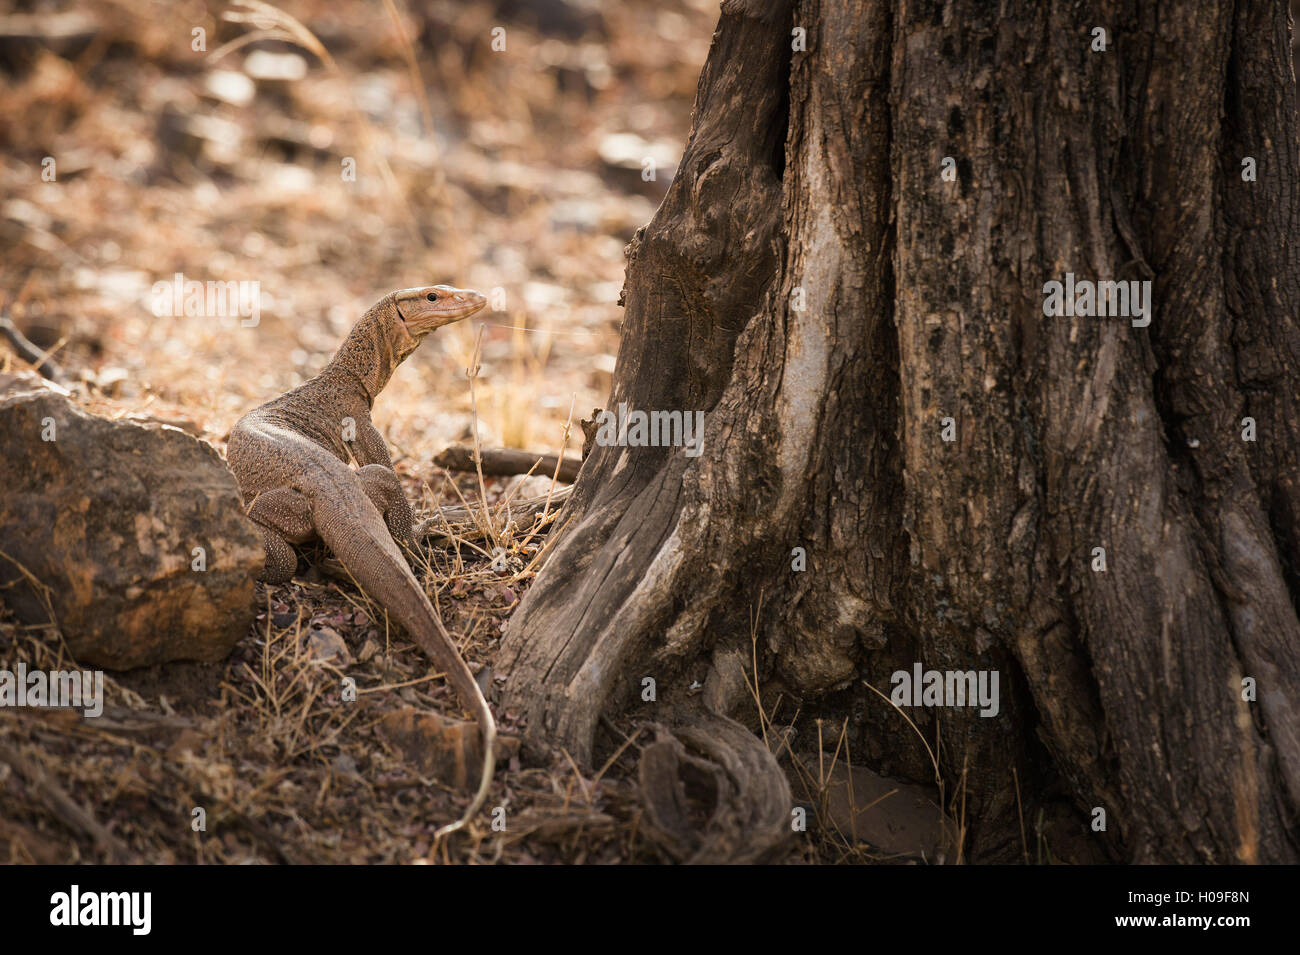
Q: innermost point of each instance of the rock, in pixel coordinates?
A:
(448, 750)
(345, 765)
(106, 517)
(267, 67)
(326, 645)
(229, 87)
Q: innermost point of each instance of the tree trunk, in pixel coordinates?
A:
(818, 287)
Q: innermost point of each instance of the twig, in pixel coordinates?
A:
(465, 513)
(31, 353)
(472, 374)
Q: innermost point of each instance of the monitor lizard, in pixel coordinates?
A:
(291, 459)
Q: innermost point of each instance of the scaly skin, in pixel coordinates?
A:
(291, 459)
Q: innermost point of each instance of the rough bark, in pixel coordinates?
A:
(815, 286)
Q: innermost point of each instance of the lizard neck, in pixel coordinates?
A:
(370, 354)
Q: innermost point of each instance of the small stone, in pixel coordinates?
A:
(265, 66)
(345, 764)
(327, 645)
(230, 87)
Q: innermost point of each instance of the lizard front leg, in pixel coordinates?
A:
(369, 446)
(284, 517)
(384, 489)
(371, 450)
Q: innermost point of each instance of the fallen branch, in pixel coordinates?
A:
(504, 462)
(30, 353)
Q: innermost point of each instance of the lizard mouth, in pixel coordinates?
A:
(404, 320)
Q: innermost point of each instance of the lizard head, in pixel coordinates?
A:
(393, 328)
(432, 306)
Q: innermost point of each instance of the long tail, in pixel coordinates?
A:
(355, 531)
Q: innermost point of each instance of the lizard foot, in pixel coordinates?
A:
(281, 558)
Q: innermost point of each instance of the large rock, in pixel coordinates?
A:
(107, 516)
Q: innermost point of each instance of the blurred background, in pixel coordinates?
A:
(333, 150)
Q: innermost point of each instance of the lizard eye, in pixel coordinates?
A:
(432, 296)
